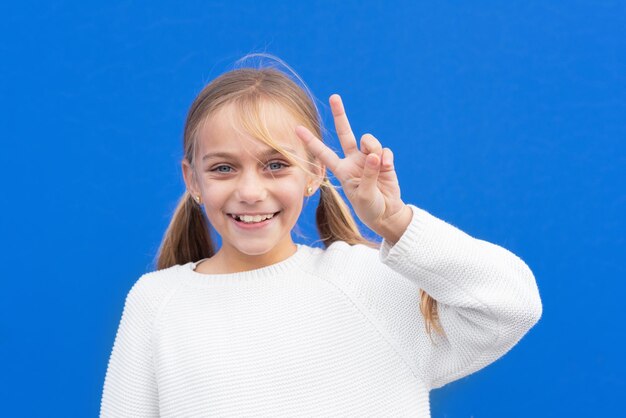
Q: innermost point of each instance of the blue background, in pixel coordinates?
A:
(507, 119)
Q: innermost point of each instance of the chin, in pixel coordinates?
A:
(260, 249)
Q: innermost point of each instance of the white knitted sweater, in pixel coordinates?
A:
(323, 333)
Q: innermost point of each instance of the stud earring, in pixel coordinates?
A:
(309, 191)
(198, 199)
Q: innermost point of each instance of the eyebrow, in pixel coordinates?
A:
(267, 153)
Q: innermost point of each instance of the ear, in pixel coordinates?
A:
(190, 178)
(315, 182)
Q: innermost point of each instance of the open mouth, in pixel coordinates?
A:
(253, 220)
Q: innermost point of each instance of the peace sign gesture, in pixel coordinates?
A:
(367, 175)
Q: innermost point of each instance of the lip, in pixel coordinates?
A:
(258, 225)
(253, 213)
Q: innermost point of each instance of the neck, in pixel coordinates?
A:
(232, 260)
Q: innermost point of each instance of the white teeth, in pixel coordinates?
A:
(251, 219)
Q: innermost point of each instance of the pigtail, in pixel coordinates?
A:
(428, 307)
(187, 237)
(335, 222)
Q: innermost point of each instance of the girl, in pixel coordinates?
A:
(267, 327)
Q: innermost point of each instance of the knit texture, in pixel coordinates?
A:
(325, 332)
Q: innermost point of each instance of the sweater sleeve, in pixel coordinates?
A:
(130, 388)
(487, 297)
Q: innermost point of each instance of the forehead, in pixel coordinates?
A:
(225, 130)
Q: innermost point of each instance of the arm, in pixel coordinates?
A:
(130, 388)
(487, 297)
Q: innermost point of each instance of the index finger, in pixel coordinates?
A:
(342, 125)
(318, 148)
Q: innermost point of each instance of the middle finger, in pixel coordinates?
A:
(342, 125)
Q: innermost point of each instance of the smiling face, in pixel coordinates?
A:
(235, 173)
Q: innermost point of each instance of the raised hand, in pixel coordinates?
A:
(367, 175)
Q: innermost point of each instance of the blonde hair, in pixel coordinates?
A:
(188, 237)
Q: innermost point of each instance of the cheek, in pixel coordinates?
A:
(215, 194)
(216, 187)
(287, 189)
(292, 188)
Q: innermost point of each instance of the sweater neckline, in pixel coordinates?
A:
(272, 270)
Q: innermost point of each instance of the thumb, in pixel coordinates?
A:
(369, 181)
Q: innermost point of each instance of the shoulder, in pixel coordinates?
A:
(154, 288)
(357, 270)
(341, 257)
(360, 253)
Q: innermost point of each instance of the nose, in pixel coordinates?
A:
(251, 188)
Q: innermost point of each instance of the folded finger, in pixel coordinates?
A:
(369, 181)
(387, 159)
(369, 144)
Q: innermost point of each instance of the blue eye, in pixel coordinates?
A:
(278, 163)
(221, 166)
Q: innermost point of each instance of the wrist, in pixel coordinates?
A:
(395, 226)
